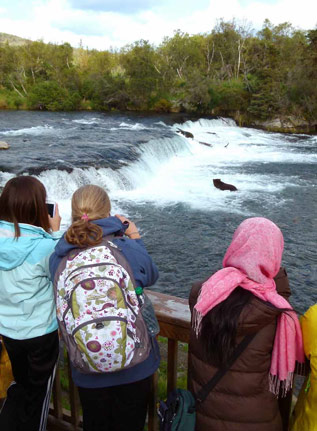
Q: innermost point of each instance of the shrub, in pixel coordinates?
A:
(233, 96)
(10, 100)
(50, 96)
(162, 105)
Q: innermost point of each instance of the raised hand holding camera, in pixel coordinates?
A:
(55, 221)
(132, 231)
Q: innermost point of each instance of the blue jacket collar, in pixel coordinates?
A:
(110, 226)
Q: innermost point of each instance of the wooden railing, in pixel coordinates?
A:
(174, 319)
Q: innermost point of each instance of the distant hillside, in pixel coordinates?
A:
(12, 40)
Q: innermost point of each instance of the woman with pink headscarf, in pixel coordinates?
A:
(248, 296)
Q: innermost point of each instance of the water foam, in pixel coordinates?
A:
(85, 121)
(36, 131)
(203, 123)
(4, 177)
(136, 126)
(180, 170)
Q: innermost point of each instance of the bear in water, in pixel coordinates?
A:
(224, 186)
(186, 134)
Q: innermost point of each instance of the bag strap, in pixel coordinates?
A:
(119, 256)
(204, 391)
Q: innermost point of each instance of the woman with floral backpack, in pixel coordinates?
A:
(96, 267)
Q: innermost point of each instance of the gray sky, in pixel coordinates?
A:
(102, 24)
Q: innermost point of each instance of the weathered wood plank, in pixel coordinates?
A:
(57, 396)
(152, 416)
(170, 309)
(74, 400)
(172, 359)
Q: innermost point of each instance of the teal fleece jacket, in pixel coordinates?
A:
(27, 307)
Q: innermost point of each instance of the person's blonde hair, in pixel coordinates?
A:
(88, 203)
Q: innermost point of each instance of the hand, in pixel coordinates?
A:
(132, 231)
(55, 222)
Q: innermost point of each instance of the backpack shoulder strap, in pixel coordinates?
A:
(119, 256)
(204, 391)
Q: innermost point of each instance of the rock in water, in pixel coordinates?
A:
(4, 145)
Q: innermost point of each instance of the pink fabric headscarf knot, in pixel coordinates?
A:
(252, 261)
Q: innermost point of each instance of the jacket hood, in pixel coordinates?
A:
(14, 251)
(110, 226)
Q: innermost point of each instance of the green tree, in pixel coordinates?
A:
(142, 76)
(182, 53)
(106, 92)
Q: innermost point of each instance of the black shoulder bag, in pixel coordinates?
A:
(178, 412)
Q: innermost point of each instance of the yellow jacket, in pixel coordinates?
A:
(305, 412)
(5, 372)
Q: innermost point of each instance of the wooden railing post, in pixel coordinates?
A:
(174, 318)
(152, 417)
(74, 399)
(172, 361)
(57, 396)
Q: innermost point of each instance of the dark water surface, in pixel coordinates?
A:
(163, 181)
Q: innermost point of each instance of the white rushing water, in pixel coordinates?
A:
(163, 181)
(32, 131)
(180, 170)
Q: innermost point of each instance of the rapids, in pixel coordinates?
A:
(163, 181)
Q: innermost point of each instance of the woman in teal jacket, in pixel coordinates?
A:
(27, 311)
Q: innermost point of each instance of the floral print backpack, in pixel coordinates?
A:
(98, 310)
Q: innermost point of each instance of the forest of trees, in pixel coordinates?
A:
(230, 71)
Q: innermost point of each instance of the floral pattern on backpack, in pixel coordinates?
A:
(98, 310)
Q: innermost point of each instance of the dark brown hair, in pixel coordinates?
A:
(219, 327)
(89, 202)
(23, 201)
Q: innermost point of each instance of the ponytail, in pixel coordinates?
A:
(84, 233)
(89, 202)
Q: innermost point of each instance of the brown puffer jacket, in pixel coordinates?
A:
(241, 401)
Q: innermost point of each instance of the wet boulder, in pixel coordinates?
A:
(4, 145)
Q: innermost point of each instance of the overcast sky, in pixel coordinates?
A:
(102, 24)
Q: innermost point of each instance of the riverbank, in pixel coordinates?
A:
(278, 124)
(285, 124)
(246, 76)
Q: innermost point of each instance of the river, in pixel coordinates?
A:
(163, 181)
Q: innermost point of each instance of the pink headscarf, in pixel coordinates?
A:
(252, 261)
